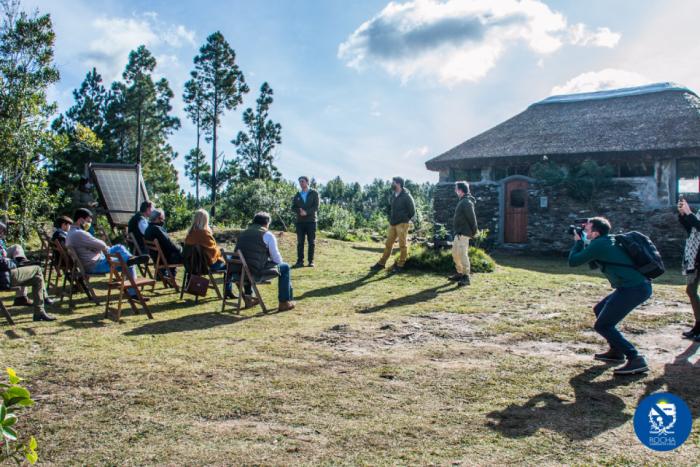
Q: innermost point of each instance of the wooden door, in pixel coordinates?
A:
(515, 228)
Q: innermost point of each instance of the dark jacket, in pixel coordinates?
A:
(688, 221)
(464, 222)
(310, 206)
(59, 235)
(6, 265)
(603, 249)
(133, 228)
(402, 208)
(172, 252)
(251, 244)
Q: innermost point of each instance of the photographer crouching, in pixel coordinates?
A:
(631, 290)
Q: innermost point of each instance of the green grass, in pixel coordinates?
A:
(369, 369)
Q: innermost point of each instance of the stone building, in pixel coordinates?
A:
(647, 137)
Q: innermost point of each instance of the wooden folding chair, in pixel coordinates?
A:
(5, 312)
(200, 270)
(136, 249)
(46, 252)
(162, 265)
(237, 266)
(119, 278)
(80, 276)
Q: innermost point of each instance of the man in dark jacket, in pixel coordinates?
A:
(464, 227)
(156, 231)
(402, 211)
(631, 290)
(139, 223)
(305, 206)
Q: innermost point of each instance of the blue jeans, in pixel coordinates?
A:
(285, 291)
(102, 266)
(613, 309)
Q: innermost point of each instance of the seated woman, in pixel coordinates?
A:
(201, 234)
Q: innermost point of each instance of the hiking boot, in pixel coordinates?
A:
(464, 281)
(286, 306)
(42, 316)
(298, 264)
(377, 267)
(22, 301)
(610, 356)
(134, 260)
(633, 366)
(455, 277)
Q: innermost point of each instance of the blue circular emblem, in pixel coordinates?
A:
(662, 421)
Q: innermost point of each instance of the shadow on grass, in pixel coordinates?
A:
(419, 297)
(372, 249)
(343, 288)
(681, 379)
(594, 410)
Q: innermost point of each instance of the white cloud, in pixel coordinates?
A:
(416, 153)
(609, 78)
(115, 37)
(460, 40)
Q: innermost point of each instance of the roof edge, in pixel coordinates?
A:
(613, 93)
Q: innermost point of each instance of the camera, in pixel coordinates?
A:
(577, 227)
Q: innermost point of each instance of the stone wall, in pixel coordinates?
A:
(632, 204)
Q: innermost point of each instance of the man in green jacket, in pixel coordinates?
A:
(402, 211)
(632, 289)
(305, 206)
(464, 227)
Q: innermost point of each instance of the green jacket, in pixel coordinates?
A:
(464, 222)
(402, 208)
(603, 249)
(310, 206)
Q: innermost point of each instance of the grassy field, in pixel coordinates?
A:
(369, 369)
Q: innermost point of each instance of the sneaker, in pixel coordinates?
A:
(610, 356)
(397, 269)
(42, 316)
(633, 366)
(455, 277)
(298, 264)
(312, 265)
(377, 267)
(464, 281)
(286, 306)
(22, 301)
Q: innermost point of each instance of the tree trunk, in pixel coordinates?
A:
(196, 169)
(214, 187)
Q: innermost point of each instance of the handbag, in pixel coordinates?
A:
(197, 285)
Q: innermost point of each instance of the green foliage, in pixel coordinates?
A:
(242, 201)
(14, 397)
(428, 259)
(255, 146)
(336, 220)
(582, 182)
(178, 209)
(197, 169)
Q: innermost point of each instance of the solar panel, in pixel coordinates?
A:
(117, 187)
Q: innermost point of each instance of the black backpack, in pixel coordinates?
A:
(643, 252)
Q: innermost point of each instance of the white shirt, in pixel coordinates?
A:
(271, 242)
(143, 225)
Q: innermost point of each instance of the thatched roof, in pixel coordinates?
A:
(656, 117)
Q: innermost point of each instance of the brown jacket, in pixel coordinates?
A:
(206, 240)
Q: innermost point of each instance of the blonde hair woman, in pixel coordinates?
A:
(200, 234)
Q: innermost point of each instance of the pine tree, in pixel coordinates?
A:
(195, 166)
(197, 169)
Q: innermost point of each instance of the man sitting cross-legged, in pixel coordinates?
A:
(259, 248)
(91, 251)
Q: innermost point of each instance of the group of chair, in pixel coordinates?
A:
(61, 262)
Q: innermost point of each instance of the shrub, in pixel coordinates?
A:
(178, 212)
(242, 200)
(427, 259)
(14, 397)
(337, 220)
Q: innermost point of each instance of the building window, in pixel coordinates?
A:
(468, 175)
(500, 173)
(634, 169)
(688, 176)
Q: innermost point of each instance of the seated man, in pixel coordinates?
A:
(91, 251)
(156, 231)
(259, 248)
(16, 254)
(13, 276)
(139, 223)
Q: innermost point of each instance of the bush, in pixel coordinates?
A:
(178, 211)
(337, 220)
(427, 259)
(242, 200)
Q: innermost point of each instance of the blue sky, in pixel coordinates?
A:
(367, 89)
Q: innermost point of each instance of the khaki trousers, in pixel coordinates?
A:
(400, 232)
(460, 254)
(30, 275)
